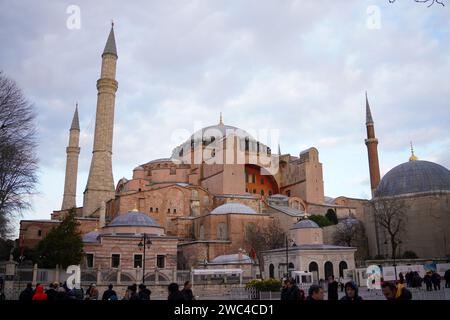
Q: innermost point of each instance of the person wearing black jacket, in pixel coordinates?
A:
(109, 293)
(187, 291)
(351, 292)
(315, 293)
(27, 294)
(293, 292)
(332, 288)
(51, 292)
(144, 293)
(447, 278)
(284, 290)
(391, 292)
(174, 292)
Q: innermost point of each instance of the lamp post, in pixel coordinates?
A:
(394, 254)
(144, 243)
(287, 255)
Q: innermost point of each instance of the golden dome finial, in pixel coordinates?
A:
(413, 157)
(221, 120)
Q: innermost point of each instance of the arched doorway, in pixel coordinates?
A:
(342, 267)
(271, 271)
(314, 268)
(328, 269)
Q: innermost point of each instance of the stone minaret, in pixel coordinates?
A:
(371, 143)
(73, 152)
(100, 184)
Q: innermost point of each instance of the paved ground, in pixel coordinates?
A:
(418, 294)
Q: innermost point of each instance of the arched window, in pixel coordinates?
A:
(328, 269)
(271, 271)
(222, 233)
(291, 266)
(313, 266)
(342, 267)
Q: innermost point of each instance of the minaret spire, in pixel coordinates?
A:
(75, 121)
(100, 185)
(368, 113)
(73, 152)
(372, 150)
(221, 119)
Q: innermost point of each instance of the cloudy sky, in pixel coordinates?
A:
(301, 67)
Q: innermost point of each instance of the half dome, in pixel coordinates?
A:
(133, 219)
(233, 207)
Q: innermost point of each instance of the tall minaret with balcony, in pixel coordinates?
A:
(100, 184)
(73, 152)
(372, 150)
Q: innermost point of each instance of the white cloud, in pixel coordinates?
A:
(298, 66)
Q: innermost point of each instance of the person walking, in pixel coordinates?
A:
(174, 292)
(391, 292)
(428, 281)
(27, 294)
(332, 289)
(436, 280)
(315, 293)
(187, 291)
(40, 295)
(447, 278)
(351, 292)
(109, 293)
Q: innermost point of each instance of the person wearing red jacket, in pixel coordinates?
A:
(40, 294)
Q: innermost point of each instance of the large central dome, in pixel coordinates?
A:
(414, 177)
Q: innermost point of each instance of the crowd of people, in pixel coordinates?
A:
(390, 290)
(59, 291)
(290, 291)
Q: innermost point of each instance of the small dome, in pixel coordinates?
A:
(233, 207)
(91, 237)
(231, 258)
(133, 218)
(414, 177)
(305, 224)
(138, 168)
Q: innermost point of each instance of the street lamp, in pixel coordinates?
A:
(287, 255)
(144, 243)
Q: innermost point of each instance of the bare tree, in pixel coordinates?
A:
(18, 161)
(264, 237)
(351, 233)
(430, 2)
(390, 215)
(346, 233)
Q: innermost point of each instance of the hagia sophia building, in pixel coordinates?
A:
(197, 204)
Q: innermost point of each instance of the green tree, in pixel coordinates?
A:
(62, 246)
(331, 215)
(322, 221)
